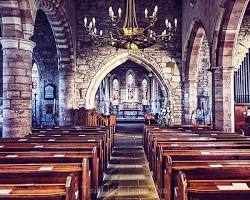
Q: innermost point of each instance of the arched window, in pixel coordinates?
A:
(115, 92)
(35, 79)
(35, 93)
(130, 87)
(144, 92)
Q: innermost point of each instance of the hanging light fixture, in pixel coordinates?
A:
(131, 36)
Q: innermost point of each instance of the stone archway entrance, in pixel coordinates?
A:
(113, 62)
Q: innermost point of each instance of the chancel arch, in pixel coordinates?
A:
(111, 63)
(128, 97)
(140, 59)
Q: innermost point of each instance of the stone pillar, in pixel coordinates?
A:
(190, 101)
(66, 95)
(223, 98)
(17, 92)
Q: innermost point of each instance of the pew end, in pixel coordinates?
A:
(181, 186)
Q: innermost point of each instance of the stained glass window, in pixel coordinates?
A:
(144, 92)
(130, 86)
(115, 97)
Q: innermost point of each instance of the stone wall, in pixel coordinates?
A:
(90, 58)
(45, 56)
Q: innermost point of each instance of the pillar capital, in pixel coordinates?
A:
(17, 43)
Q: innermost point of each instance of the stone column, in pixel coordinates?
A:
(66, 95)
(17, 92)
(190, 101)
(223, 98)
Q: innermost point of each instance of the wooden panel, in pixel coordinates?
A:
(241, 111)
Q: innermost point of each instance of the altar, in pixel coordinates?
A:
(130, 113)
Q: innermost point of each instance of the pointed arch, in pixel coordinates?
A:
(114, 61)
(223, 68)
(191, 70)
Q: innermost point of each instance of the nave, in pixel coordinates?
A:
(128, 175)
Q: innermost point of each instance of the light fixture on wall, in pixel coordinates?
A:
(131, 36)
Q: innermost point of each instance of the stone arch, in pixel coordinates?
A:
(56, 14)
(229, 31)
(223, 66)
(192, 48)
(114, 61)
(61, 29)
(191, 57)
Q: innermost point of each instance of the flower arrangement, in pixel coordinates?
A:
(165, 116)
(112, 109)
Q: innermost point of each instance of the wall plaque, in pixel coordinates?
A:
(49, 92)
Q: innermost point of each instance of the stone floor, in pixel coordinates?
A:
(128, 175)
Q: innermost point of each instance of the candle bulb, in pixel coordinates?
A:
(93, 21)
(85, 21)
(175, 22)
(156, 9)
(90, 25)
(146, 13)
(95, 31)
(120, 12)
(101, 32)
(166, 22)
(169, 25)
(154, 15)
(110, 11)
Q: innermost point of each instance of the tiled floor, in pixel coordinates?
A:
(128, 175)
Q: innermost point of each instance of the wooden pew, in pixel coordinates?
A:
(173, 167)
(159, 141)
(157, 162)
(108, 140)
(55, 157)
(66, 191)
(187, 155)
(79, 129)
(54, 145)
(74, 138)
(50, 173)
(192, 185)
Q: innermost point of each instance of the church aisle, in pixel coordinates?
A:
(128, 175)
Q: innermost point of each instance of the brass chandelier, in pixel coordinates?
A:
(131, 36)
